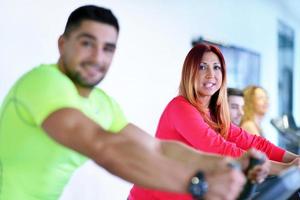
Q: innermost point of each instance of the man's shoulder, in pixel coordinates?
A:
(44, 80)
(44, 70)
(43, 74)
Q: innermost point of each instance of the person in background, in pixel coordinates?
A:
(255, 108)
(199, 117)
(236, 103)
(54, 118)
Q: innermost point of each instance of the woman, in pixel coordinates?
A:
(255, 107)
(199, 117)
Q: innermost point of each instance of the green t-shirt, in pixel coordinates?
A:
(32, 165)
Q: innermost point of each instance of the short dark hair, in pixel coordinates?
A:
(234, 92)
(90, 12)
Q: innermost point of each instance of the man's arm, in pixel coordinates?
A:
(135, 159)
(134, 155)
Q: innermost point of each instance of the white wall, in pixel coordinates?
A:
(154, 39)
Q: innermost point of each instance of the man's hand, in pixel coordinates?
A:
(225, 182)
(259, 172)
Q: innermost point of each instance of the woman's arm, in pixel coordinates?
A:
(277, 167)
(245, 141)
(282, 159)
(289, 157)
(183, 120)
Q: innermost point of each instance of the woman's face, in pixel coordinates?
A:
(210, 75)
(261, 101)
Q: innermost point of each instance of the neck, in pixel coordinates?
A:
(82, 91)
(204, 101)
(258, 119)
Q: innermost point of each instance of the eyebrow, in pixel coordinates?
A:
(87, 35)
(111, 45)
(213, 63)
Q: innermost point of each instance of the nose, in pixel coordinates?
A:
(98, 55)
(210, 73)
(267, 102)
(241, 111)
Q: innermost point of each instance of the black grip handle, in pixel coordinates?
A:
(250, 187)
(254, 162)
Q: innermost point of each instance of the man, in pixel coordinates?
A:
(54, 119)
(236, 103)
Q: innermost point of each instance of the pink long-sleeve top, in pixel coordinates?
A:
(181, 121)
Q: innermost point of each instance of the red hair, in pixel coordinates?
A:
(218, 118)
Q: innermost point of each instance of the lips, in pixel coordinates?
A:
(92, 71)
(209, 85)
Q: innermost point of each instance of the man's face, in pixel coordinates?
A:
(236, 111)
(87, 52)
